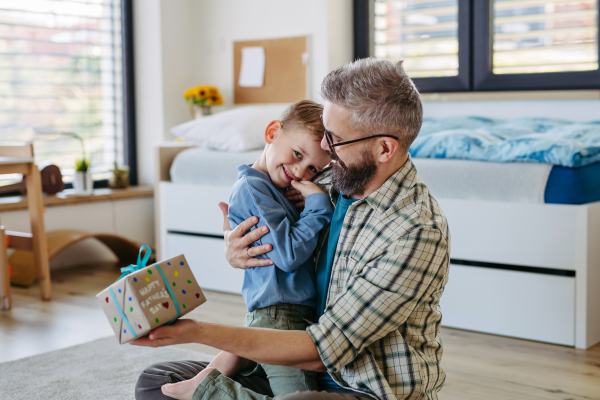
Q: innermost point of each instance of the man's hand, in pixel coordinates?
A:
(306, 188)
(237, 250)
(182, 331)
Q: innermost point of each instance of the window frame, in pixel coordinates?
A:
(485, 79)
(475, 59)
(129, 126)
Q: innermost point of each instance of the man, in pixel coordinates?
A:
(381, 267)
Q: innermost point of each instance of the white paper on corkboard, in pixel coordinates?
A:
(252, 72)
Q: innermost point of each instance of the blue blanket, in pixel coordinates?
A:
(539, 140)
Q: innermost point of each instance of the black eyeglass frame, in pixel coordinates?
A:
(332, 145)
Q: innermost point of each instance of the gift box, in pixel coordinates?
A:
(146, 297)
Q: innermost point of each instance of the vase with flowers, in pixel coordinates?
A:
(201, 98)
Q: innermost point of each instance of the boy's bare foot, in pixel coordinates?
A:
(184, 390)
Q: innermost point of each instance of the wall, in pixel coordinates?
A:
(182, 43)
(149, 105)
(222, 22)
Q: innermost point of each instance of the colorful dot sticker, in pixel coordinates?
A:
(130, 309)
(181, 263)
(168, 263)
(174, 284)
(147, 279)
(115, 319)
(197, 295)
(189, 281)
(119, 290)
(150, 271)
(176, 273)
(183, 305)
(124, 330)
(130, 299)
(139, 326)
(135, 279)
(156, 320)
(107, 299)
(183, 291)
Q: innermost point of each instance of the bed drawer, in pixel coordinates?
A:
(519, 304)
(192, 208)
(207, 261)
(528, 234)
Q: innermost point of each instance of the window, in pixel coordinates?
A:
(66, 65)
(453, 45)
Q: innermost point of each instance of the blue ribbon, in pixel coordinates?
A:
(112, 293)
(162, 274)
(141, 263)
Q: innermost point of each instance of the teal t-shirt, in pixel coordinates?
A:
(324, 265)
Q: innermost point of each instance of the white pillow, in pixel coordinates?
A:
(239, 129)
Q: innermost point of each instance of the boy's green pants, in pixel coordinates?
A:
(288, 317)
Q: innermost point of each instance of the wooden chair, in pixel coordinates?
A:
(17, 158)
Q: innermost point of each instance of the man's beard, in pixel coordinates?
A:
(350, 179)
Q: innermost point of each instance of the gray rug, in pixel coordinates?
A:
(101, 369)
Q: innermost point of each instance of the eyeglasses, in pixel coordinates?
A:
(332, 145)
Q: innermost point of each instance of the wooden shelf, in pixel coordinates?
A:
(66, 197)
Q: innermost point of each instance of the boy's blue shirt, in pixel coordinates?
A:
(294, 237)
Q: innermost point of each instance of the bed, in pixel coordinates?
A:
(525, 257)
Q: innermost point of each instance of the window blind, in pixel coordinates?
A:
(533, 36)
(61, 67)
(423, 33)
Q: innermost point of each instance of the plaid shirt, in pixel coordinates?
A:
(380, 331)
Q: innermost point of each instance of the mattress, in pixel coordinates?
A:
(573, 185)
(446, 178)
(207, 167)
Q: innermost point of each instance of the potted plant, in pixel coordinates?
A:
(119, 178)
(201, 98)
(82, 182)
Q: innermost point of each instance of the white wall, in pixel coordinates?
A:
(220, 23)
(149, 105)
(182, 43)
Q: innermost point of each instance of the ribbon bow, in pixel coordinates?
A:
(141, 262)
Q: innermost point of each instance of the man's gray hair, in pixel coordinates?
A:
(381, 97)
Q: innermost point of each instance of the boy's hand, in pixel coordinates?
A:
(306, 188)
(294, 196)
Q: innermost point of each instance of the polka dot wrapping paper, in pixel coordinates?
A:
(150, 297)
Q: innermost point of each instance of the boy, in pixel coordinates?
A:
(282, 296)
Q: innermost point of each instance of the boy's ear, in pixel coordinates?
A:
(273, 129)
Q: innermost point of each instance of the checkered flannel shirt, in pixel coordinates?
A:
(380, 331)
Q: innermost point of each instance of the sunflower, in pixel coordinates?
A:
(205, 95)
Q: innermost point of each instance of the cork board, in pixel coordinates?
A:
(285, 71)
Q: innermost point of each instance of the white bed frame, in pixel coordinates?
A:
(524, 270)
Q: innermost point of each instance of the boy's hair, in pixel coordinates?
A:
(304, 114)
(381, 97)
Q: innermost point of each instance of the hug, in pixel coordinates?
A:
(345, 253)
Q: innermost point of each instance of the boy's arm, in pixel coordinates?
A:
(293, 243)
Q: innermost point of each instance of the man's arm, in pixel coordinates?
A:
(267, 346)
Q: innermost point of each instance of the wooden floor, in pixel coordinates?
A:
(478, 366)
